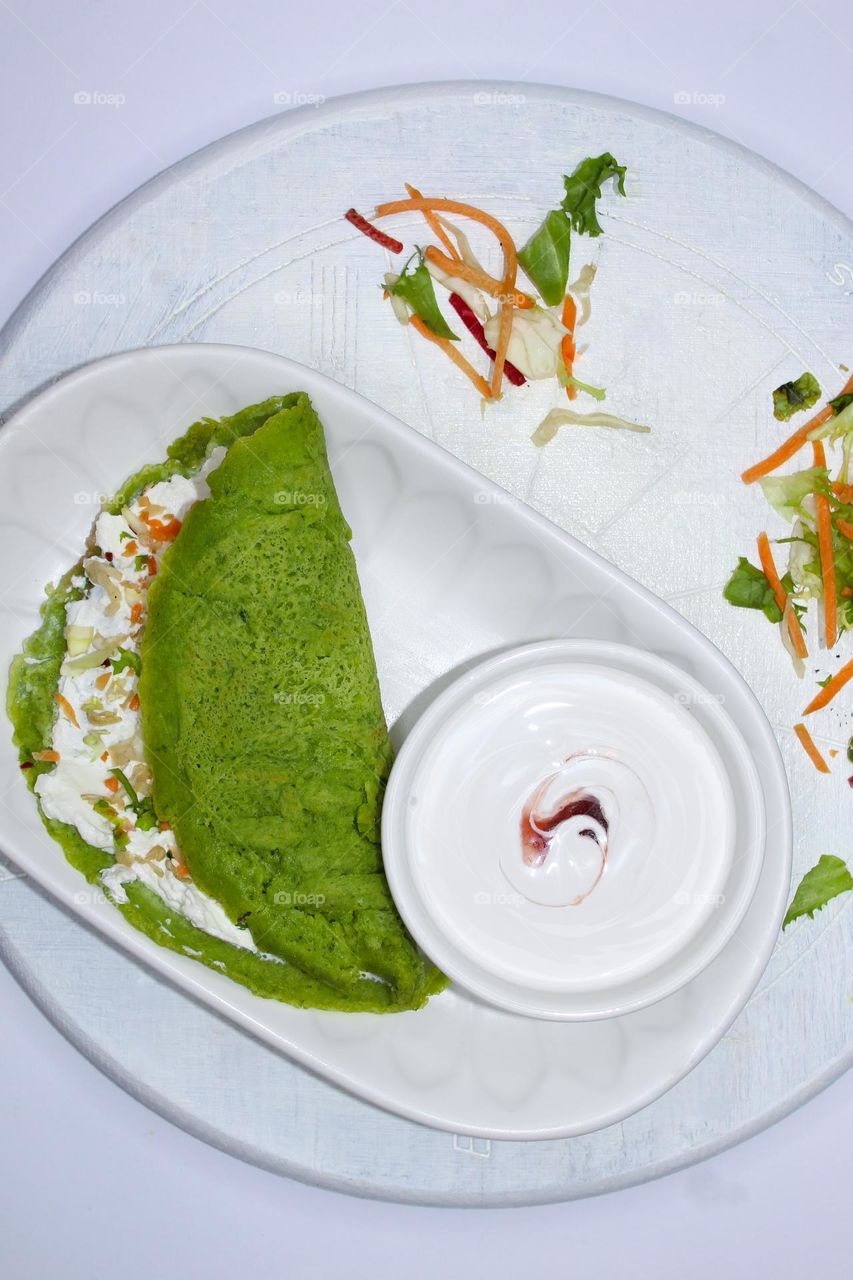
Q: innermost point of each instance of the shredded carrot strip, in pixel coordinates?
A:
(793, 444)
(47, 757)
(181, 869)
(130, 548)
(827, 555)
(161, 532)
(456, 356)
(136, 612)
(844, 527)
(435, 226)
(152, 566)
(567, 346)
(134, 702)
(510, 263)
(828, 692)
(810, 749)
(105, 756)
(847, 591)
(481, 279)
(843, 491)
(111, 784)
(67, 709)
(795, 631)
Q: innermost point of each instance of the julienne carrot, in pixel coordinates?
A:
(373, 233)
(456, 356)
(795, 631)
(828, 692)
(567, 346)
(435, 226)
(843, 492)
(66, 709)
(810, 749)
(510, 263)
(794, 443)
(827, 555)
(481, 279)
(472, 324)
(843, 526)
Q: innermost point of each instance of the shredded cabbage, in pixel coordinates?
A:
(534, 343)
(551, 423)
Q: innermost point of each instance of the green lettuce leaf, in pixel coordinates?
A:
(791, 397)
(416, 289)
(786, 493)
(545, 257)
(827, 879)
(748, 588)
(583, 188)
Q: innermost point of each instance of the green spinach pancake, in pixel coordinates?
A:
(200, 719)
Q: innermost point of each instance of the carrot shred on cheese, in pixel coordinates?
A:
(435, 226)
(843, 526)
(828, 692)
(46, 757)
(810, 749)
(795, 631)
(134, 702)
(567, 346)
(67, 709)
(794, 443)
(135, 612)
(481, 279)
(111, 784)
(456, 356)
(510, 264)
(827, 555)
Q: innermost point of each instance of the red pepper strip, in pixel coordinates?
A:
(472, 324)
(373, 233)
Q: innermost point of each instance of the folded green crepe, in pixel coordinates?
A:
(261, 720)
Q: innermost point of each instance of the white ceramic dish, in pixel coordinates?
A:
(437, 547)
(445, 859)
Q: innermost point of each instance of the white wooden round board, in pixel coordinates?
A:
(719, 277)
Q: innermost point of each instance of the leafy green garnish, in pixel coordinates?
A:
(786, 493)
(583, 188)
(840, 403)
(545, 257)
(791, 397)
(126, 658)
(416, 289)
(139, 563)
(125, 782)
(146, 818)
(748, 588)
(827, 879)
(124, 536)
(143, 809)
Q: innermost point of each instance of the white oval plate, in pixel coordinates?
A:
(451, 570)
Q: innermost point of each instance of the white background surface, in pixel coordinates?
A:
(94, 1185)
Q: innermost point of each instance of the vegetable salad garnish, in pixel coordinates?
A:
(816, 587)
(526, 334)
